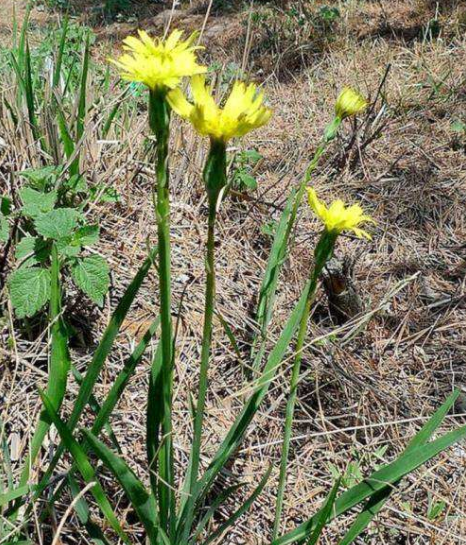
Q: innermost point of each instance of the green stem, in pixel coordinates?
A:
(330, 133)
(59, 365)
(323, 252)
(161, 450)
(215, 180)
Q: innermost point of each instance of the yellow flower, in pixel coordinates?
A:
(159, 63)
(349, 103)
(337, 217)
(243, 110)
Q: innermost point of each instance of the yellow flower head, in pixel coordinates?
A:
(159, 63)
(349, 103)
(243, 110)
(338, 217)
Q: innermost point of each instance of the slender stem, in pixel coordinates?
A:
(215, 180)
(59, 364)
(330, 133)
(323, 252)
(160, 123)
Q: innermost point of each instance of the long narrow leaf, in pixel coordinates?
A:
(97, 362)
(376, 502)
(84, 515)
(236, 432)
(268, 289)
(388, 475)
(84, 467)
(245, 507)
(142, 502)
(324, 514)
(58, 368)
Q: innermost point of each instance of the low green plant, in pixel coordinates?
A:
(242, 178)
(49, 222)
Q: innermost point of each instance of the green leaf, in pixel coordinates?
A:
(248, 180)
(4, 229)
(378, 481)
(98, 360)
(5, 205)
(69, 246)
(376, 502)
(84, 466)
(29, 290)
(240, 512)
(88, 235)
(58, 223)
(324, 514)
(32, 251)
(142, 502)
(458, 126)
(40, 178)
(101, 193)
(84, 515)
(92, 276)
(36, 203)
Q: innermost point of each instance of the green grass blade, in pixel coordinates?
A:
(240, 512)
(374, 505)
(268, 289)
(237, 431)
(217, 502)
(154, 419)
(388, 475)
(324, 514)
(61, 51)
(114, 394)
(82, 510)
(98, 360)
(142, 502)
(82, 109)
(85, 468)
(14, 494)
(96, 408)
(58, 368)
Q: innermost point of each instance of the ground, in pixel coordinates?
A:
(367, 385)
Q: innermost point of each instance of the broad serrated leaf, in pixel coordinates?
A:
(92, 276)
(32, 250)
(36, 203)
(39, 178)
(57, 224)
(4, 228)
(69, 246)
(88, 235)
(29, 290)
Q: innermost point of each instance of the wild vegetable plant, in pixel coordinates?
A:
(172, 515)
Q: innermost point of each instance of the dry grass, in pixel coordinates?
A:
(362, 388)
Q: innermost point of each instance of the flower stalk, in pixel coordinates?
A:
(160, 442)
(215, 178)
(322, 254)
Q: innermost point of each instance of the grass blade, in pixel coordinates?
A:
(84, 515)
(378, 500)
(218, 501)
(142, 502)
(324, 514)
(61, 50)
(388, 475)
(84, 467)
(236, 432)
(245, 507)
(97, 362)
(58, 368)
(268, 289)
